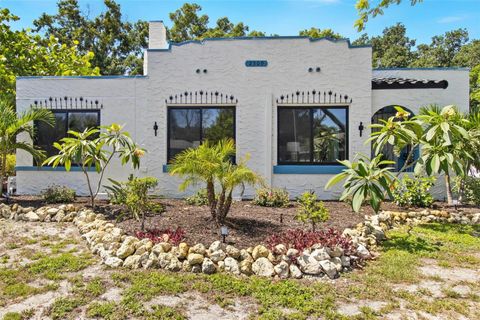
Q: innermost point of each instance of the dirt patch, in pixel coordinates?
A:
(449, 275)
(248, 224)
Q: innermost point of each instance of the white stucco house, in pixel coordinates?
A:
(295, 104)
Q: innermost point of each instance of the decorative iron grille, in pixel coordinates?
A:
(314, 97)
(201, 97)
(68, 103)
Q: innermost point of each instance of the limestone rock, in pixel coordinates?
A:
(232, 252)
(216, 245)
(32, 216)
(320, 254)
(194, 259)
(280, 249)
(336, 252)
(127, 247)
(263, 267)
(309, 265)
(282, 269)
(259, 252)
(362, 252)
(329, 268)
(198, 248)
(246, 266)
(132, 262)
(217, 256)
(231, 265)
(292, 253)
(208, 267)
(295, 272)
(113, 262)
(182, 250)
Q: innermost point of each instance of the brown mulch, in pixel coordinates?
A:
(248, 224)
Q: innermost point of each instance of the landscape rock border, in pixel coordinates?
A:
(117, 249)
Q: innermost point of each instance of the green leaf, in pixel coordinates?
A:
(435, 163)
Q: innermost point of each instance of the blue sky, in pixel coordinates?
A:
(287, 17)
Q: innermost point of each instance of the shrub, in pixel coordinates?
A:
(167, 235)
(413, 192)
(469, 189)
(200, 198)
(117, 191)
(58, 194)
(272, 197)
(311, 210)
(300, 239)
(211, 163)
(137, 200)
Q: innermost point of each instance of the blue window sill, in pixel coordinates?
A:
(308, 169)
(57, 169)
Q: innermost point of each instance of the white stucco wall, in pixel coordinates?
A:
(140, 102)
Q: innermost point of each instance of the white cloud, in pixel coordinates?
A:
(451, 19)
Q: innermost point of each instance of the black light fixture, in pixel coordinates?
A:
(224, 233)
(317, 69)
(197, 71)
(360, 128)
(204, 70)
(310, 69)
(155, 128)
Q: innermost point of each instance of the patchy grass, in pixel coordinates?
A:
(53, 267)
(105, 310)
(63, 306)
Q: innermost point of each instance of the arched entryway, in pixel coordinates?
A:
(384, 114)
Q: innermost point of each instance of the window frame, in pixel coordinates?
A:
(311, 109)
(66, 111)
(190, 107)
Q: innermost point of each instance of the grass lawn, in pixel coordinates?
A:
(433, 270)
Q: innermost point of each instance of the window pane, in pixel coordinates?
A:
(79, 121)
(329, 135)
(294, 135)
(47, 135)
(217, 124)
(184, 130)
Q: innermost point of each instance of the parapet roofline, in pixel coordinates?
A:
(179, 44)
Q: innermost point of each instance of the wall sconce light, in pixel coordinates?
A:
(155, 128)
(360, 128)
(455, 203)
(224, 232)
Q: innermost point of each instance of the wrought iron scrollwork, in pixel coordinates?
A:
(68, 103)
(314, 97)
(201, 97)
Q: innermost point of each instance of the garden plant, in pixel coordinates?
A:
(311, 210)
(96, 148)
(271, 197)
(212, 165)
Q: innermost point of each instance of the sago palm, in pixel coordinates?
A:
(12, 125)
(212, 164)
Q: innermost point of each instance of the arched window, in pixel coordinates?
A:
(388, 153)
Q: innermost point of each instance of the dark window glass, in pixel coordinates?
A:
(294, 135)
(64, 121)
(329, 135)
(312, 135)
(187, 128)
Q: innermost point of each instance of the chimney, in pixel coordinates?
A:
(157, 35)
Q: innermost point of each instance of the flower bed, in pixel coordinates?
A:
(325, 253)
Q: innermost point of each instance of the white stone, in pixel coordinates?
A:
(113, 262)
(231, 265)
(259, 252)
(208, 267)
(282, 269)
(295, 272)
(195, 258)
(217, 256)
(309, 265)
(320, 254)
(263, 267)
(31, 216)
(329, 268)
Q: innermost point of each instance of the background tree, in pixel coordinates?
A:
(117, 44)
(25, 54)
(316, 33)
(366, 10)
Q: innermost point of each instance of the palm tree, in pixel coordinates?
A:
(212, 164)
(11, 125)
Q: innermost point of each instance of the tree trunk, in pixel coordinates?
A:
(225, 207)
(212, 201)
(143, 221)
(449, 189)
(3, 172)
(92, 196)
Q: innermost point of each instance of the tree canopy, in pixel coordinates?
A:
(25, 54)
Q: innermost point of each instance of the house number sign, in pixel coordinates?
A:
(256, 63)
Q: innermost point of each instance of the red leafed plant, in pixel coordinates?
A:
(157, 235)
(300, 239)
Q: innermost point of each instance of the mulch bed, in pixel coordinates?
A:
(248, 224)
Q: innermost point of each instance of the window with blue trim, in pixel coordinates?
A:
(77, 120)
(388, 151)
(314, 135)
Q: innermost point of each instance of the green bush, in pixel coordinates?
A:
(469, 189)
(272, 197)
(11, 160)
(200, 198)
(58, 194)
(137, 200)
(414, 192)
(117, 191)
(311, 210)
